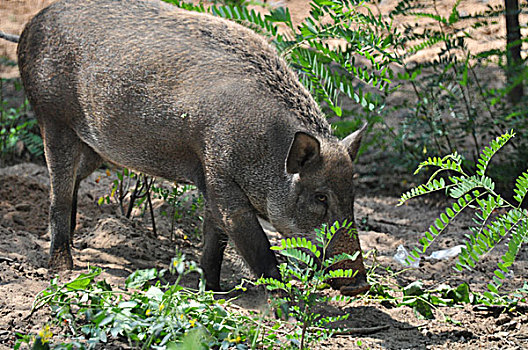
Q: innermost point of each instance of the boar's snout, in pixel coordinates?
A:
(347, 241)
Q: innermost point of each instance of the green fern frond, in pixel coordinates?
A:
(487, 207)
(299, 256)
(482, 241)
(463, 185)
(490, 151)
(521, 187)
(339, 298)
(280, 15)
(317, 77)
(492, 228)
(241, 14)
(333, 319)
(296, 271)
(454, 16)
(188, 5)
(328, 85)
(324, 235)
(297, 242)
(274, 284)
(518, 237)
(244, 16)
(336, 226)
(329, 262)
(441, 223)
(437, 18)
(424, 45)
(450, 162)
(339, 273)
(432, 186)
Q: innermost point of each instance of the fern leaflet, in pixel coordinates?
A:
(486, 239)
(432, 186)
(449, 162)
(298, 242)
(339, 273)
(518, 237)
(441, 223)
(329, 262)
(463, 185)
(489, 151)
(299, 256)
(521, 187)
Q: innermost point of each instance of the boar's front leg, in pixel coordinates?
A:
(89, 161)
(231, 215)
(215, 241)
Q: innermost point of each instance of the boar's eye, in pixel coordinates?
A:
(321, 198)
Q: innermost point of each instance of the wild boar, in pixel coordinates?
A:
(173, 93)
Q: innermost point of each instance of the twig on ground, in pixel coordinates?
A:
(354, 331)
(409, 327)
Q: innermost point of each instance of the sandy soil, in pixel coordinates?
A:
(119, 245)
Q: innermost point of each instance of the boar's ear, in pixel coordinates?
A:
(304, 149)
(352, 141)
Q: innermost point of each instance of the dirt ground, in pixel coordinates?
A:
(120, 246)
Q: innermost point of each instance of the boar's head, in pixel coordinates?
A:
(321, 188)
(322, 191)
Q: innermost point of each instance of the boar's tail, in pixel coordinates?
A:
(9, 37)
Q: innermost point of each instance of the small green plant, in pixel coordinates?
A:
(497, 220)
(128, 186)
(136, 188)
(308, 269)
(344, 52)
(425, 300)
(15, 128)
(457, 102)
(184, 202)
(131, 190)
(146, 313)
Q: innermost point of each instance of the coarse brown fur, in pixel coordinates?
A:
(174, 93)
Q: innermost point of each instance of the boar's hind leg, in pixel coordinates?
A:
(64, 151)
(89, 161)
